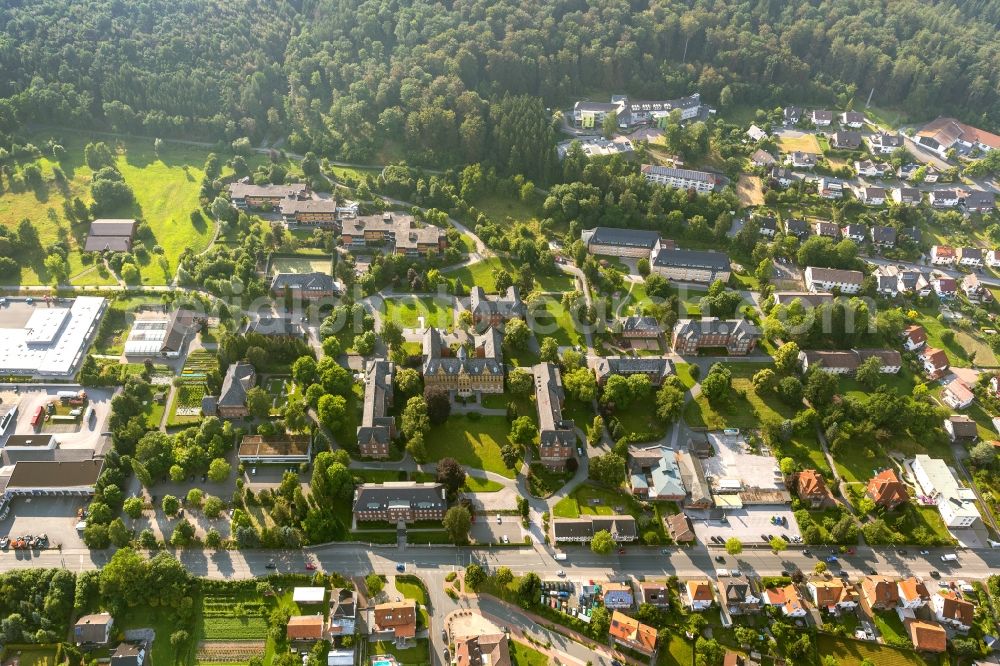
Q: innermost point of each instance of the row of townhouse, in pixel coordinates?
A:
(945, 255)
(823, 117)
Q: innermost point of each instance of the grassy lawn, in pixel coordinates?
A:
(962, 347)
(638, 419)
(590, 499)
(523, 655)
(475, 443)
(684, 374)
(851, 653)
(858, 462)
(407, 310)
(313, 264)
(474, 484)
(499, 208)
(542, 481)
(481, 274)
(911, 517)
(902, 382)
(549, 319)
(412, 587)
(806, 143)
(33, 655)
(677, 652)
(163, 624)
(889, 625)
(418, 655)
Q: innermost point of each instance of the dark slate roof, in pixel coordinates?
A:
(488, 358)
(734, 328)
(375, 425)
(182, 324)
(549, 394)
(797, 227)
(239, 379)
(767, 222)
(622, 527)
(508, 305)
(379, 496)
(636, 323)
(128, 654)
(639, 238)
(305, 282)
(717, 261)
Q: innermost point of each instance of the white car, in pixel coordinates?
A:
(561, 573)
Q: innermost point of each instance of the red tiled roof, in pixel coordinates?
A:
(927, 636)
(811, 483)
(886, 489)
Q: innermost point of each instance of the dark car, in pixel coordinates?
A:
(935, 574)
(806, 551)
(720, 558)
(444, 635)
(270, 565)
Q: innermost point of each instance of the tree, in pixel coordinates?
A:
(374, 584)
(778, 544)
(414, 419)
(716, 384)
(182, 535)
(118, 534)
(451, 475)
(213, 539)
(219, 470)
(304, 370)
(616, 391)
(581, 384)
(213, 507)
(600, 622)
(788, 466)
(523, 430)
(332, 411)
(194, 497)
(408, 381)
(364, 343)
(786, 358)
(528, 589)
(520, 383)
(133, 507)
(474, 576)
(438, 405)
(734, 546)
(417, 448)
(504, 576)
(869, 372)
(258, 403)
(392, 334)
(820, 567)
(669, 403)
(516, 334)
(608, 469)
(509, 455)
(602, 543)
(983, 455)
(457, 522)
(820, 388)
(550, 350)
(763, 380)
(171, 505)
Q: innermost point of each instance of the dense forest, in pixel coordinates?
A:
(437, 79)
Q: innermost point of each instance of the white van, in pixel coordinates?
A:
(722, 573)
(950, 557)
(561, 557)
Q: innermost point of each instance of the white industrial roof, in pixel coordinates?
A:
(146, 337)
(33, 349)
(308, 595)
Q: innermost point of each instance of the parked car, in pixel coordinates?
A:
(270, 565)
(400, 567)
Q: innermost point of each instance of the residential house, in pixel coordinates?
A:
(884, 143)
(872, 196)
(378, 426)
(343, 612)
(993, 258)
(637, 327)
(906, 196)
(323, 213)
(883, 236)
(656, 368)
(130, 654)
(872, 169)
(739, 596)
(792, 115)
(829, 189)
(832, 595)
(614, 242)
(913, 593)
(910, 172)
(632, 634)
(828, 229)
(952, 610)
(847, 362)
(943, 198)
(855, 232)
(397, 232)
(738, 336)
(245, 195)
(943, 255)
(801, 160)
(846, 140)
(702, 266)
(762, 158)
(787, 599)
(556, 435)
(305, 628)
(886, 490)
(828, 279)
(811, 489)
(679, 527)
(482, 649)
(682, 179)
(798, 228)
(756, 134)
(622, 528)
(979, 202)
(617, 595)
(232, 402)
(654, 474)
(784, 177)
(927, 636)
(399, 501)
(94, 629)
(935, 362)
(943, 134)
(767, 225)
(974, 290)
(481, 371)
(886, 285)
(821, 117)
(880, 592)
(655, 594)
(944, 286)
(495, 310)
(698, 595)
(960, 428)
(955, 503)
(969, 256)
(854, 119)
(396, 619)
(309, 286)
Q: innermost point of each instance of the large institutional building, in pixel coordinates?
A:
(462, 372)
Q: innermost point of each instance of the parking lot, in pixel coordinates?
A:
(53, 516)
(84, 436)
(748, 524)
(485, 529)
